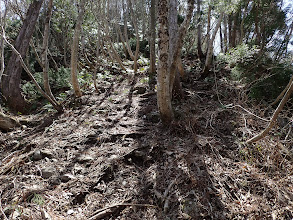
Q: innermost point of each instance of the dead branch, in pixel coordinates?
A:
(101, 213)
(275, 115)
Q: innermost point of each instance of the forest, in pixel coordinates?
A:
(146, 109)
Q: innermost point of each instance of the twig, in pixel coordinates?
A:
(105, 211)
(274, 117)
(166, 197)
(1, 209)
(249, 112)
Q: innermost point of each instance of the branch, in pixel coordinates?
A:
(274, 117)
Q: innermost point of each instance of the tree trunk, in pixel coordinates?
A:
(45, 62)
(134, 21)
(152, 42)
(12, 77)
(208, 27)
(2, 58)
(234, 29)
(225, 34)
(74, 49)
(163, 87)
(199, 49)
(211, 48)
(175, 83)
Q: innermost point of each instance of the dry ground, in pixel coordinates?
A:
(109, 157)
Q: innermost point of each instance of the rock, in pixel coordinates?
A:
(41, 154)
(47, 172)
(66, 177)
(37, 155)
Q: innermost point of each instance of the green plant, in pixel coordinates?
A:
(58, 80)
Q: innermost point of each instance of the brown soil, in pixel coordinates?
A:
(109, 157)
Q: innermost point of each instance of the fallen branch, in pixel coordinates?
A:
(101, 213)
(275, 115)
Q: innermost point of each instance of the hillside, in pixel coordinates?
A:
(109, 157)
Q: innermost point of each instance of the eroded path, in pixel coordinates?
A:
(109, 149)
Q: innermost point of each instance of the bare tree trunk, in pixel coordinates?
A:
(234, 29)
(199, 47)
(45, 62)
(3, 22)
(163, 87)
(74, 49)
(225, 33)
(242, 23)
(175, 83)
(54, 104)
(134, 21)
(12, 77)
(208, 27)
(211, 48)
(152, 42)
(177, 49)
(126, 32)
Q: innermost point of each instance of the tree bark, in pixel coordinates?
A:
(208, 27)
(152, 42)
(175, 83)
(163, 87)
(134, 21)
(12, 77)
(199, 48)
(211, 48)
(74, 49)
(45, 62)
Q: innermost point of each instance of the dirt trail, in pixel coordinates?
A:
(110, 150)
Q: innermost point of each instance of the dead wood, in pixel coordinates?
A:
(275, 115)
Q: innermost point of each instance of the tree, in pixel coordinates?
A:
(199, 49)
(45, 63)
(166, 69)
(152, 41)
(210, 48)
(74, 49)
(12, 75)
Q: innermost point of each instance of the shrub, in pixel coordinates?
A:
(265, 78)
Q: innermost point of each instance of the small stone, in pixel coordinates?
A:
(47, 172)
(37, 155)
(66, 177)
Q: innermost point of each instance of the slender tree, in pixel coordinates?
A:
(45, 63)
(152, 41)
(74, 49)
